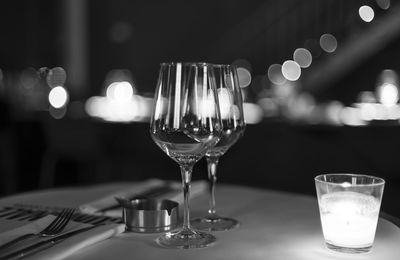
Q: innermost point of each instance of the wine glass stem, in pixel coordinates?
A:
(186, 172)
(212, 164)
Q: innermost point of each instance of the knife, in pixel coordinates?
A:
(42, 245)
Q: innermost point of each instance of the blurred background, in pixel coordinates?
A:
(319, 79)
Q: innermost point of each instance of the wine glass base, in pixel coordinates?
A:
(214, 223)
(186, 239)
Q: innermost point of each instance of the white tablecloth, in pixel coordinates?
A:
(274, 225)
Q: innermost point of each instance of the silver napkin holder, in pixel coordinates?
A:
(149, 215)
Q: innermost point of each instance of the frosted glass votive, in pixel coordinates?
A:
(349, 207)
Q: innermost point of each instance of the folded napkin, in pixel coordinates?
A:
(68, 246)
(197, 188)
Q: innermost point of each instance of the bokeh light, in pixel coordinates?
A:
(29, 78)
(291, 70)
(328, 42)
(388, 76)
(388, 94)
(253, 113)
(369, 111)
(242, 63)
(58, 113)
(244, 76)
(58, 97)
(366, 13)
(351, 116)
(275, 74)
(285, 91)
(366, 97)
(120, 90)
(123, 91)
(93, 106)
(300, 106)
(303, 57)
(111, 89)
(333, 111)
(132, 109)
(119, 75)
(384, 4)
(56, 77)
(269, 106)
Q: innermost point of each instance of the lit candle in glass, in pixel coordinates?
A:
(349, 209)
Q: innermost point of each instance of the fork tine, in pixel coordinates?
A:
(63, 223)
(66, 221)
(55, 221)
(54, 226)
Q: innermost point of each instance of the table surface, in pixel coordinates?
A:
(274, 225)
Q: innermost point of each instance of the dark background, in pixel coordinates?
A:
(90, 38)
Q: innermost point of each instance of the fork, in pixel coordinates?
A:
(54, 228)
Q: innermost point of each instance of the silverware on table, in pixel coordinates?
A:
(45, 244)
(27, 212)
(54, 228)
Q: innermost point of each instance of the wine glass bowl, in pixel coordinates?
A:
(185, 124)
(233, 126)
(231, 108)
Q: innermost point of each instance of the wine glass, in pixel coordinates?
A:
(233, 126)
(185, 124)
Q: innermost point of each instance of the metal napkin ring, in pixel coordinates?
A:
(149, 215)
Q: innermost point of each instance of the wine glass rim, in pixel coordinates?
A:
(186, 63)
(224, 65)
(379, 181)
